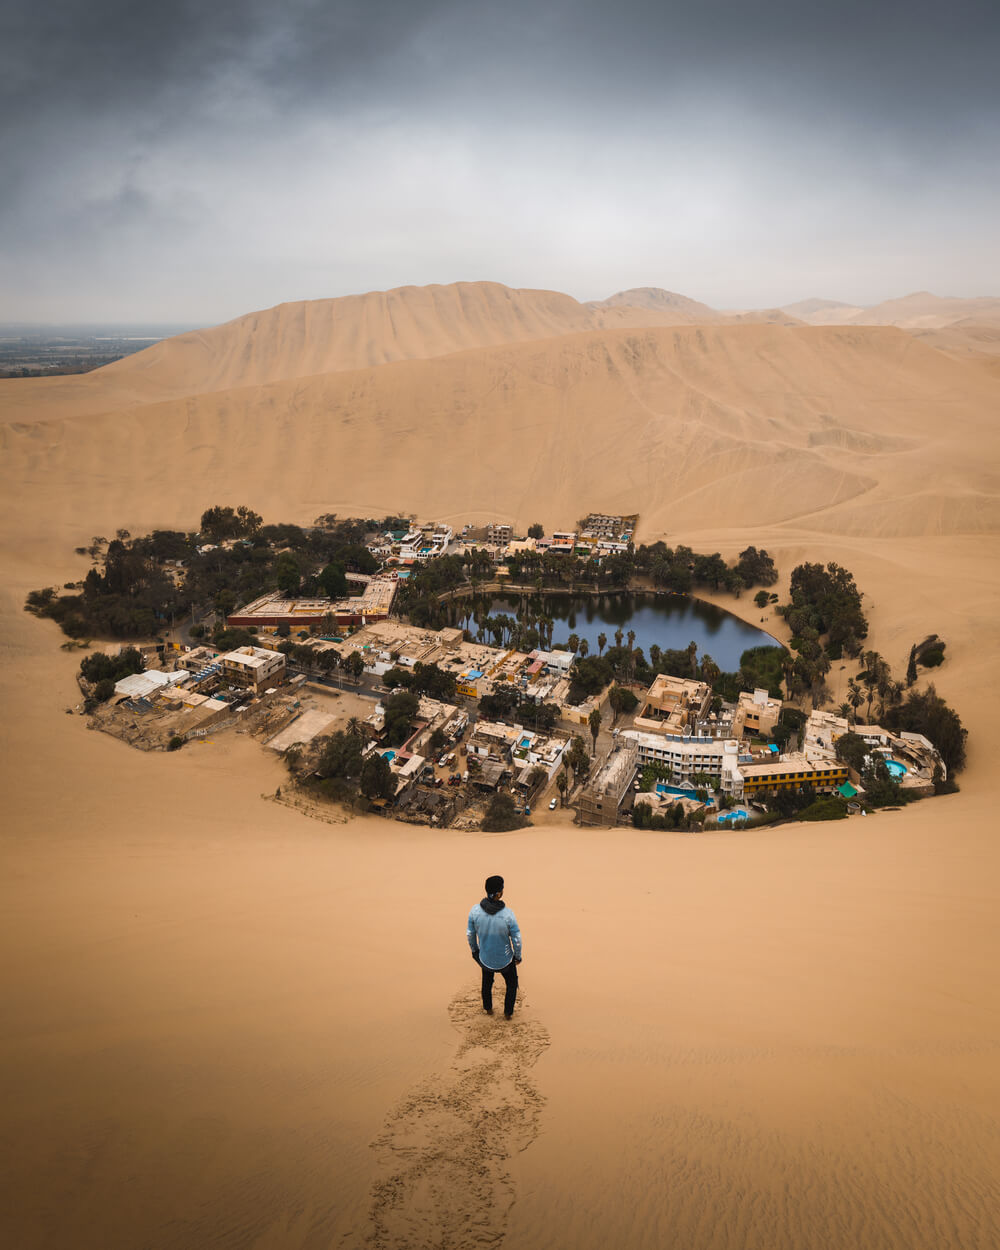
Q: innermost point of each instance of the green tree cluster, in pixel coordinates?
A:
(673, 817)
(220, 523)
(400, 712)
(501, 815)
(340, 756)
(825, 602)
(377, 780)
(99, 667)
(426, 679)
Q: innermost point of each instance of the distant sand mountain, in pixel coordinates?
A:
(806, 309)
(919, 311)
(310, 337)
(655, 299)
(767, 316)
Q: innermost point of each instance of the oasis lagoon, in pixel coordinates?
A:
(670, 621)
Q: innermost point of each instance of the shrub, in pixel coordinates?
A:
(825, 809)
(501, 815)
(175, 743)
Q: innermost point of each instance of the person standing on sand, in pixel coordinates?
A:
(495, 941)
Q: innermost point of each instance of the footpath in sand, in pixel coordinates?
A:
(447, 1145)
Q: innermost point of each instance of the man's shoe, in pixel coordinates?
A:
(488, 1010)
(508, 1015)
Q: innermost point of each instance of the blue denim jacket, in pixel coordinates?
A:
(494, 934)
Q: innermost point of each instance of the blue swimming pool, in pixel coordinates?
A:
(896, 769)
(737, 813)
(683, 792)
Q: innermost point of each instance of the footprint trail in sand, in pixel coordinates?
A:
(445, 1147)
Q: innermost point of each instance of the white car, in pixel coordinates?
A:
(553, 805)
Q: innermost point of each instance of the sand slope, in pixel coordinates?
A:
(863, 431)
(224, 1024)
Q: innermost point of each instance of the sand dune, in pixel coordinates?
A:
(324, 336)
(853, 425)
(226, 1024)
(919, 311)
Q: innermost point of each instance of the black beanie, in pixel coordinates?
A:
(494, 885)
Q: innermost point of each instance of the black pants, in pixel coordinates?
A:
(509, 975)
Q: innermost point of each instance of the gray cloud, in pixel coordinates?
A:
(200, 160)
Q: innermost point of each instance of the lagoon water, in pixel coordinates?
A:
(669, 621)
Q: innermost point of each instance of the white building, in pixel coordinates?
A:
(716, 758)
(252, 667)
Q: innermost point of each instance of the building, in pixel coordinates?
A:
(558, 663)
(498, 533)
(756, 714)
(792, 772)
(674, 705)
(602, 797)
(490, 740)
(602, 526)
(534, 750)
(563, 542)
(271, 611)
(253, 668)
(911, 758)
(142, 685)
(689, 757)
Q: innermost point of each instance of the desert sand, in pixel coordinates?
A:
(227, 1024)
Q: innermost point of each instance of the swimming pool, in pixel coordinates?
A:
(737, 813)
(896, 769)
(684, 792)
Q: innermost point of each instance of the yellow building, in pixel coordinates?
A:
(790, 773)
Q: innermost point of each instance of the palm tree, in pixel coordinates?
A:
(631, 639)
(584, 648)
(594, 721)
(618, 636)
(855, 696)
(356, 727)
(844, 710)
(562, 785)
(602, 642)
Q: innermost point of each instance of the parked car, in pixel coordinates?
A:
(553, 805)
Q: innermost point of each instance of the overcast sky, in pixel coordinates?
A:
(196, 160)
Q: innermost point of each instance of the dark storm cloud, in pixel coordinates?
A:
(915, 59)
(330, 145)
